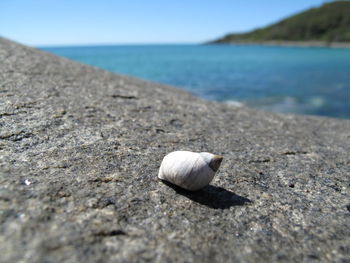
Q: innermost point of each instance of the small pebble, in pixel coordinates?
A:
(27, 182)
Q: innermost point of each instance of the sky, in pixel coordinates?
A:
(87, 22)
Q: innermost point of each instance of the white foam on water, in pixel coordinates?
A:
(234, 103)
(288, 104)
(317, 102)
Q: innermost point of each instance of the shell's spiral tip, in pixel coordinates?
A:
(215, 162)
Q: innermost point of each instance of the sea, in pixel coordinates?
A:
(313, 80)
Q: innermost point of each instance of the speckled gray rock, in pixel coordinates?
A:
(80, 150)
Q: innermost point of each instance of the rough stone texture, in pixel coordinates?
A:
(80, 150)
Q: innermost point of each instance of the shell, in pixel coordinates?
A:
(189, 170)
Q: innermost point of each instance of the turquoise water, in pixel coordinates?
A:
(282, 79)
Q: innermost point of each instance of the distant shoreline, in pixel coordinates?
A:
(288, 43)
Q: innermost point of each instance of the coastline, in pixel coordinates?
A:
(286, 43)
(80, 152)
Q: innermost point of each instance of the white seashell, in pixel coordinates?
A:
(189, 170)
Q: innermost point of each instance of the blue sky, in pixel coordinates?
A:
(74, 22)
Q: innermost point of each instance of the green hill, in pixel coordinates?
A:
(328, 23)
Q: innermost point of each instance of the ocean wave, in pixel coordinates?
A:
(286, 104)
(234, 103)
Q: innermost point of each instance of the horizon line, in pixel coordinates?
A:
(116, 44)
